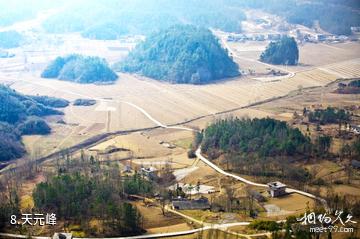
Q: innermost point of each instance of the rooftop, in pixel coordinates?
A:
(276, 184)
(201, 203)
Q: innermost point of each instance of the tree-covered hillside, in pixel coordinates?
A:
(329, 115)
(112, 19)
(259, 147)
(21, 115)
(104, 197)
(181, 54)
(80, 69)
(284, 52)
(10, 39)
(265, 137)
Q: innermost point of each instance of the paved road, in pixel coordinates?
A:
(288, 190)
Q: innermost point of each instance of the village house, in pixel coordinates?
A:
(195, 204)
(149, 172)
(276, 189)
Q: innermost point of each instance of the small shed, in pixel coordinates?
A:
(127, 169)
(355, 164)
(276, 189)
(356, 129)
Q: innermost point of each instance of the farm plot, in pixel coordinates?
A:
(165, 102)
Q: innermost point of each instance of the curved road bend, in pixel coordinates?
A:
(218, 169)
(288, 190)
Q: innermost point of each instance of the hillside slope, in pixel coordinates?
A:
(21, 115)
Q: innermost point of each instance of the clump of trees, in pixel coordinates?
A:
(80, 69)
(137, 185)
(34, 125)
(329, 115)
(263, 225)
(83, 188)
(259, 147)
(181, 54)
(355, 83)
(352, 150)
(51, 101)
(80, 198)
(10, 39)
(285, 52)
(20, 115)
(79, 189)
(265, 137)
(352, 88)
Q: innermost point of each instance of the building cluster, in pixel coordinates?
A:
(253, 37)
(275, 189)
(315, 38)
(299, 35)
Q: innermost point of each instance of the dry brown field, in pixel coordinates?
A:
(165, 102)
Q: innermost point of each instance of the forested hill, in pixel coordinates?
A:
(285, 51)
(21, 115)
(80, 69)
(264, 137)
(258, 147)
(181, 54)
(112, 19)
